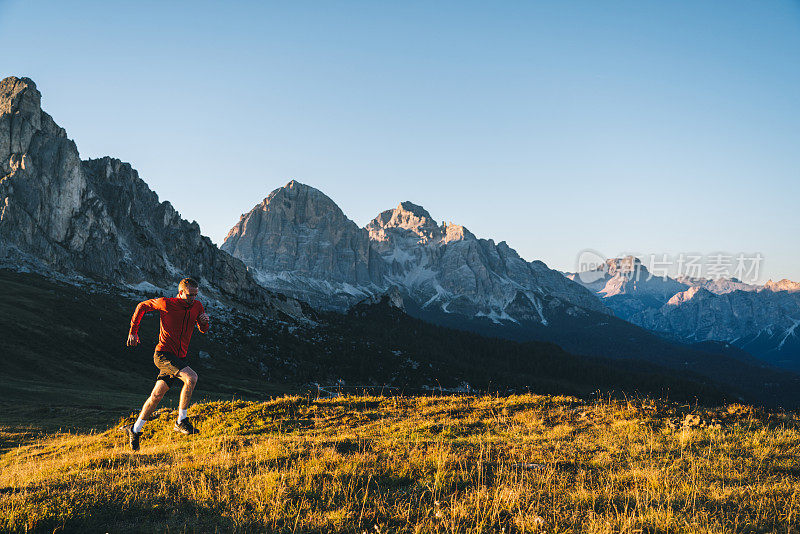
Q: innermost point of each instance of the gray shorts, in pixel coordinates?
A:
(169, 366)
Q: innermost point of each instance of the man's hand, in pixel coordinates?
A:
(133, 340)
(204, 318)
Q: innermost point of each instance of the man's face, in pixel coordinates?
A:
(188, 295)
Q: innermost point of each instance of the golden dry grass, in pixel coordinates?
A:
(416, 464)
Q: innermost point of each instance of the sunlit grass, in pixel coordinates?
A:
(416, 464)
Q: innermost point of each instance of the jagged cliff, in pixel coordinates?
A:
(97, 218)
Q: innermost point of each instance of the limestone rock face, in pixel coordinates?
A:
(392, 298)
(627, 287)
(47, 207)
(628, 276)
(299, 229)
(97, 218)
(298, 241)
(685, 296)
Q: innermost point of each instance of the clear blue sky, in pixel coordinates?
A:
(647, 127)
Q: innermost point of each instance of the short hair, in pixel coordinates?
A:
(188, 282)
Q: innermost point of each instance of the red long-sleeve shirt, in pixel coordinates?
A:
(177, 322)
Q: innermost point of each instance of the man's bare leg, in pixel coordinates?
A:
(155, 397)
(189, 378)
(150, 404)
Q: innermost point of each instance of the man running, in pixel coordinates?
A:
(178, 317)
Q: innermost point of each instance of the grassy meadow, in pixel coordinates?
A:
(523, 463)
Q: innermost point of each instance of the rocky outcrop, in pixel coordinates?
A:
(49, 212)
(298, 241)
(698, 314)
(628, 288)
(392, 298)
(97, 218)
(685, 296)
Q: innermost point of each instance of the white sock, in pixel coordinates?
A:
(182, 414)
(138, 426)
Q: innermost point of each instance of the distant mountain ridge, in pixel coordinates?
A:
(626, 286)
(763, 320)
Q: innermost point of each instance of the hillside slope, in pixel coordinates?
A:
(523, 463)
(65, 344)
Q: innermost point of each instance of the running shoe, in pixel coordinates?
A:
(185, 427)
(133, 437)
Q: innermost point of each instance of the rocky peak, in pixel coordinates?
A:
(442, 269)
(406, 216)
(689, 294)
(621, 269)
(628, 266)
(299, 231)
(627, 286)
(455, 232)
(719, 285)
(294, 203)
(294, 188)
(19, 96)
(410, 211)
(783, 285)
(763, 322)
(21, 117)
(308, 198)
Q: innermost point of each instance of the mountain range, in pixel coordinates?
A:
(297, 240)
(760, 319)
(97, 220)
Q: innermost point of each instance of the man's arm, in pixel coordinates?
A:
(203, 320)
(143, 307)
